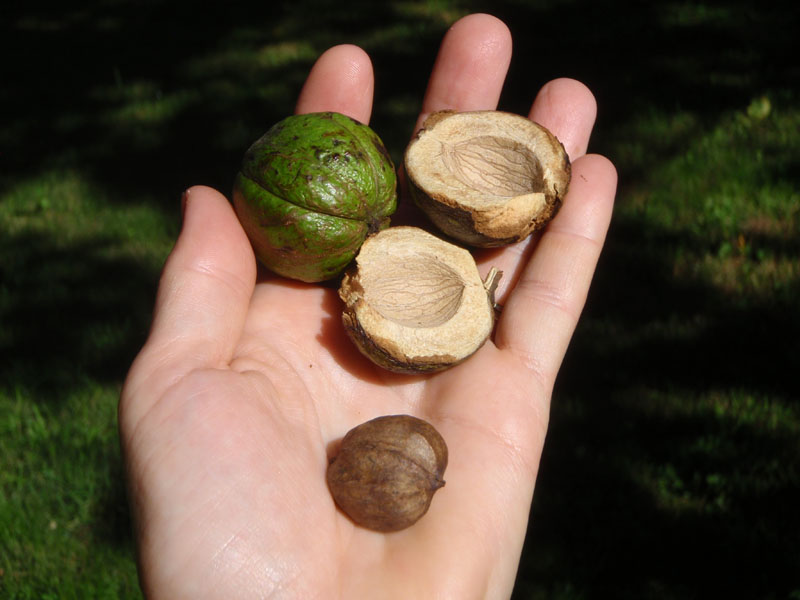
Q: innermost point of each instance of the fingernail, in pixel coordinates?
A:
(184, 200)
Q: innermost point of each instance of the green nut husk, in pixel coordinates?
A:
(311, 190)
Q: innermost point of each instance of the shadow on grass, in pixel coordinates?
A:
(150, 100)
(146, 101)
(668, 466)
(683, 333)
(73, 317)
(70, 313)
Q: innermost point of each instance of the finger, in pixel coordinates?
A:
(568, 109)
(470, 68)
(340, 81)
(468, 74)
(542, 310)
(202, 299)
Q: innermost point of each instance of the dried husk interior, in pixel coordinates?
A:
(487, 176)
(415, 302)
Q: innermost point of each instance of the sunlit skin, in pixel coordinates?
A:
(247, 381)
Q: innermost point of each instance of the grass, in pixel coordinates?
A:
(673, 458)
(672, 467)
(77, 284)
(64, 520)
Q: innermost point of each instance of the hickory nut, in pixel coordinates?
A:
(387, 471)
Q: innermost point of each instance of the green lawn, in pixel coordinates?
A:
(672, 467)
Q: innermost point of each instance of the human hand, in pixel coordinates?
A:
(228, 412)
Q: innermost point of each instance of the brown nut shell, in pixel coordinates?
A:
(387, 470)
(486, 178)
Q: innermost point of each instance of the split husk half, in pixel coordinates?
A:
(486, 178)
(415, 303)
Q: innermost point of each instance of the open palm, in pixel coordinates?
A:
(247, 381)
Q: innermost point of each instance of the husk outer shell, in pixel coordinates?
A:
(309, 192)
(496, 224)
(395, 346)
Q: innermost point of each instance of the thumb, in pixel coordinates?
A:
(202, 299)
